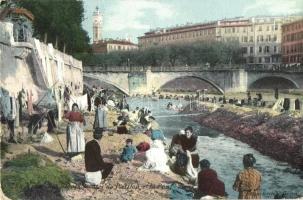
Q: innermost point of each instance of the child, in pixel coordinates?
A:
(129, 151)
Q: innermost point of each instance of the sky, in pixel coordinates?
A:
(132, 18)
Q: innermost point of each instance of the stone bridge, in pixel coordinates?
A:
(145, 80)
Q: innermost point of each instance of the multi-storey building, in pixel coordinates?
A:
(259, 37)
(292, 42)
(106, 46)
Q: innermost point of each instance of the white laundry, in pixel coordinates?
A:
(93, 178)
(80, 100)
(46, 138)
(156, 158)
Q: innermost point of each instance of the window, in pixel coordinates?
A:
(276, 27)
(261, 38)
(260, 28)
(251, 39)
(260, 60)
(260, 49)
(251, 49)
(275, 38)
(245, 38)
(266, 49)
(244, 30)
(267, 59)
(233, 29)
(275, 49)
(244, 50)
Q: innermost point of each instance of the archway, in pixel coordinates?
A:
(91, 81)
(191, 83)
(273, 82)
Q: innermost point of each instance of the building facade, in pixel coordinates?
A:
(259, 37)
(97, 21)
(22, 20)
(292, 42)
(110, 45)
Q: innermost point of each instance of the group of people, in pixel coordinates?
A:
(183, 156)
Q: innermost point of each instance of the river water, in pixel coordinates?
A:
(225, 154)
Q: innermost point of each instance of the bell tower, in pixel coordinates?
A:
(97, 20)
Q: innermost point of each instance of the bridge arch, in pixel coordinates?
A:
(217, 87)
(272, 81)
(95, 77)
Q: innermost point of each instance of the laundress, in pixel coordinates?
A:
(74, 134)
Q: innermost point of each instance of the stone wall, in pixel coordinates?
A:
(35, 65)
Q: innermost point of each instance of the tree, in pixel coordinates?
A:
(59, 22)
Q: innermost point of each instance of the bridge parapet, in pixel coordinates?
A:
(289, 68)
(249, 67)
(128, 69)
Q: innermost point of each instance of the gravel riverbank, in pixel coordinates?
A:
(278, 136)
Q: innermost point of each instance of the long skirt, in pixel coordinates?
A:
(75, 138)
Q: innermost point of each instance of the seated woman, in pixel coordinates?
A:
(121, 126)
(96, 168)
(75, 136)
(208, 182)
(248, 181)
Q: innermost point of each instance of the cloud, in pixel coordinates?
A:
(131, 14)
(275, 7)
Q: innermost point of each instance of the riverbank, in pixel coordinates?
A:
(278, 136)
(127, 182)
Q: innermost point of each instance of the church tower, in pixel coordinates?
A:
(97, 19)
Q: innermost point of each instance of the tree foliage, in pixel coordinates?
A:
(59, 22)
(189, 54)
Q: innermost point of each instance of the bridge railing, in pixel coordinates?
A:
(103, 69)
(275, 67)
(247, 67)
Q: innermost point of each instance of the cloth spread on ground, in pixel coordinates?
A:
(179, 192)
(156, 158)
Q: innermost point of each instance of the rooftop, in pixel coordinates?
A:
(19, 11)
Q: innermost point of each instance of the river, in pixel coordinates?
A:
(225, 154)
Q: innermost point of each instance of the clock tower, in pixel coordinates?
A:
(97, 20)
